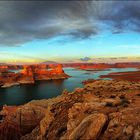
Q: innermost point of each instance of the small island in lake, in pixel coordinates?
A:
(28, 74)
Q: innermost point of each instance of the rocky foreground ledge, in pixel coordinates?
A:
(102, 110)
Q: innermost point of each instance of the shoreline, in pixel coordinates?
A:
(108, 105)
(18, 83)
(31, 73)
(128, 76)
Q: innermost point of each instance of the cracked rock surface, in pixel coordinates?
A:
(101, 110)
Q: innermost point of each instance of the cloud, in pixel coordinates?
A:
(23, 21)
(120, 15)
(85, 59)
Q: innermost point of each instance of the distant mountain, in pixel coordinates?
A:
(49, 62)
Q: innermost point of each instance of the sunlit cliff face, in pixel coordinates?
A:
(69, 31)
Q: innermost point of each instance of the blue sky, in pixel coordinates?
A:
(61, 31)
(65, 48)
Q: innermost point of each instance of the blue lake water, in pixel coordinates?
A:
(17, 95)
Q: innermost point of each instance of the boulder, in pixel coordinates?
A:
(89, 128)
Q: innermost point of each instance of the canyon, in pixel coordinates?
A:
(101, 110)
(28, 74)
(101, 66)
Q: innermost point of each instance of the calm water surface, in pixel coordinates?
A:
(47, 89)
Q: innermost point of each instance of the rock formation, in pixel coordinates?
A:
(27, 75)
(3, 68)
(129, 76)
(104, 110)
(27, 71)
(51, 72)
(30, 73)
(101, 66)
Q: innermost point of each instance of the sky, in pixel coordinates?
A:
(69, 31)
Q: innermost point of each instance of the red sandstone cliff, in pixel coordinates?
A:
(27, 75)
(3, 68)
(49, 72)
(102, 65)
(31, 73)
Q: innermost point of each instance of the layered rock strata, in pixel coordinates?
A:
(30, 73)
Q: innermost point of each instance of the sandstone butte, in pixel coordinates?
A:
(30, 73)
(101, 110)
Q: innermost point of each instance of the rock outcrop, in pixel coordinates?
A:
(30, 73)
(100, 66)
(50, 72)
(27, 75)
(126, 76)
(3, 68)
(102, 110)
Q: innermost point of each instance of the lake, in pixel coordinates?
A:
(17, 95)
